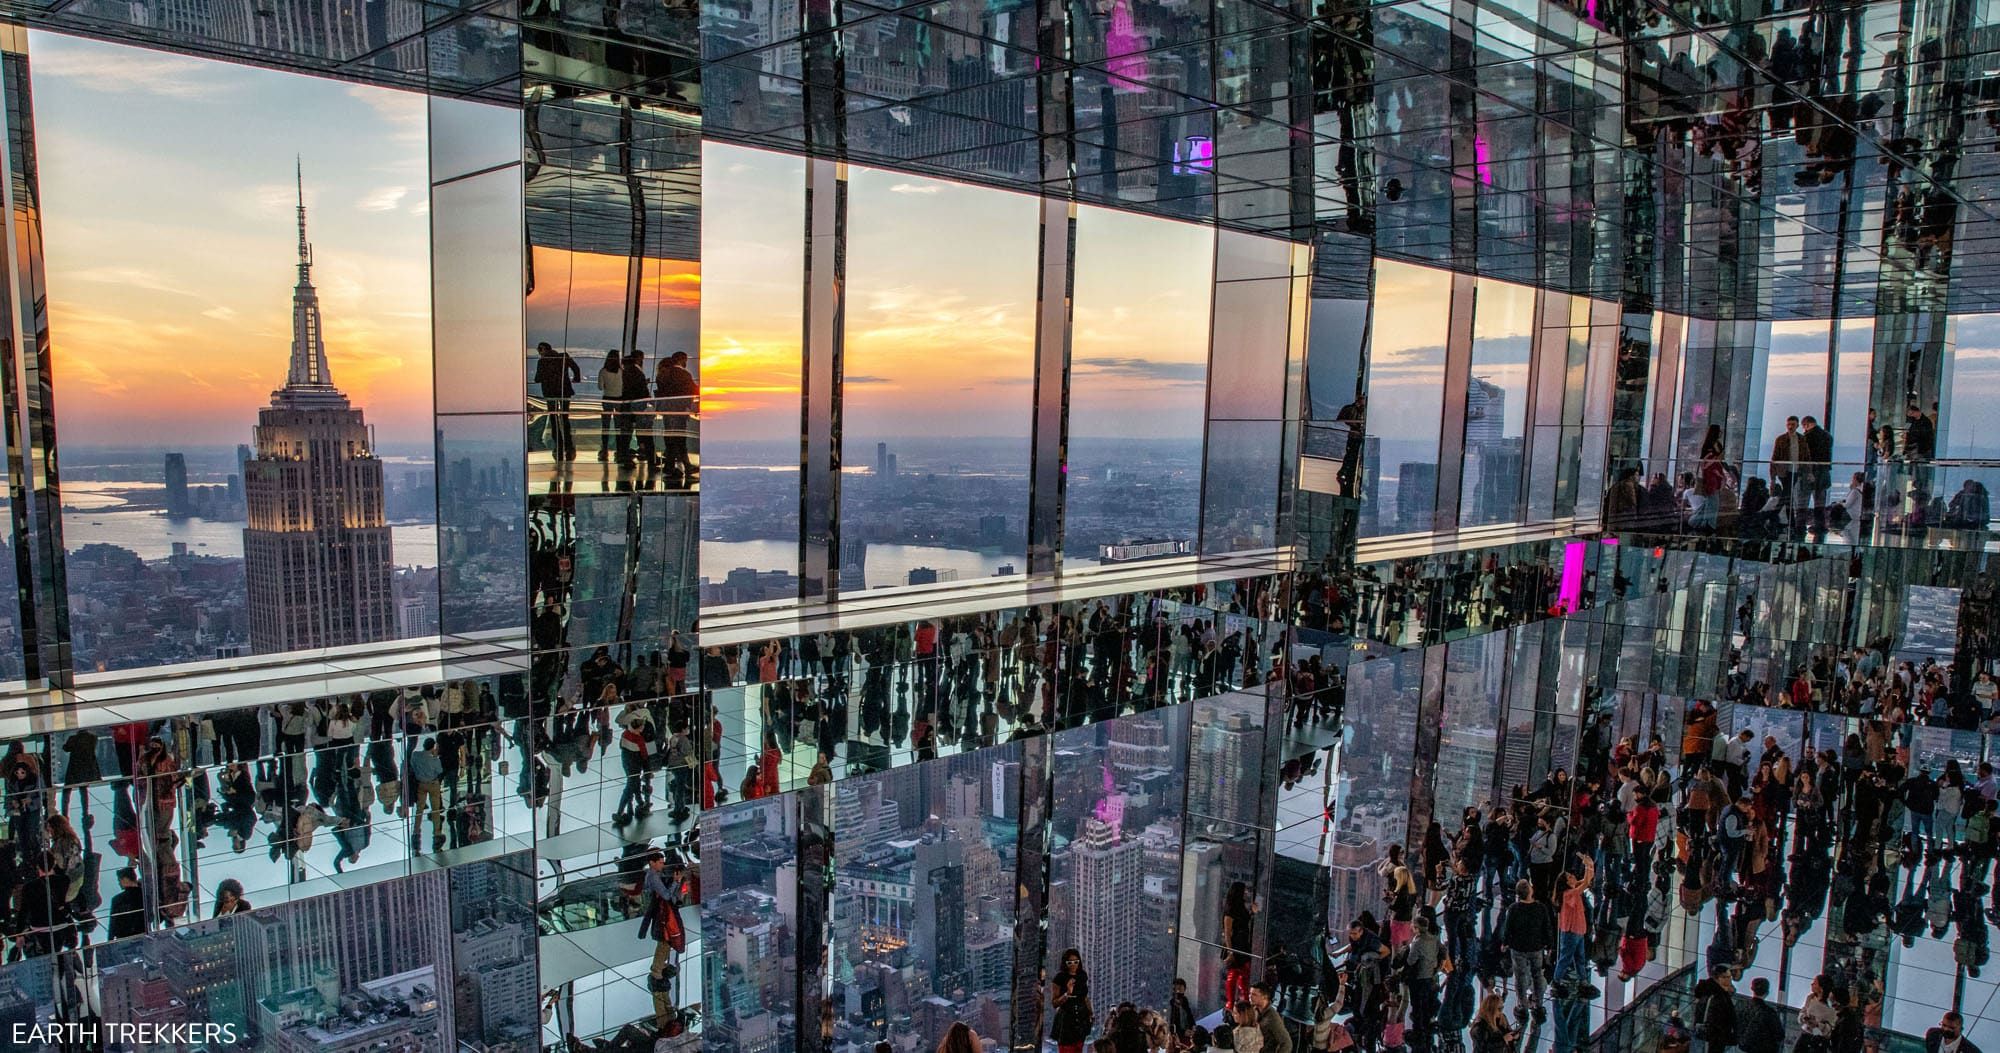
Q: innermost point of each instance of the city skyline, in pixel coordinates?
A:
(167, 311)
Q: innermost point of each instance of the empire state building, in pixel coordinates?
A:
(316, 551)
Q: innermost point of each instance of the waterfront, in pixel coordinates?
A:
(887, 564)
(99, 513)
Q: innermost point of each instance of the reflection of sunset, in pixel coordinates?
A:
(591, 281)
(752, 317)
(1407, 345)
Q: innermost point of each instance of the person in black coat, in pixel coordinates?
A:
(1715, 1005)
(1949, 1036)
(1180, 1011)
(1758, 1027)
(635, 392)
(1069, 995)
(557, 373)
(128, 907)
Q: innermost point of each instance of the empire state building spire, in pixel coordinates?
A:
(308, 382)
(317, 559)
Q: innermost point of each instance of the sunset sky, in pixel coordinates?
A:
(167, 186)
(168, 201)
(753, 251)
(1406, 355)
(940, 308)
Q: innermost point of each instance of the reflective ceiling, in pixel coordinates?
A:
(1720, 159)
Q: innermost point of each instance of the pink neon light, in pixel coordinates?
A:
(1124, 60)
(1111, 807)
(1570, 596)
(1482, 159)
(1201, 152)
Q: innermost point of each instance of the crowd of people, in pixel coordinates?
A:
(1893, 491)
(1497, 922)
(1498, 927)
(285, 777)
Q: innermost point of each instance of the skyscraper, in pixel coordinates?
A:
(1485, 413)
(1107, 876)
(1416, 496)
(1229, 743)
(176, 474)
(316, 551)
(939, 878)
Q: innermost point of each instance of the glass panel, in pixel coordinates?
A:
(1372, 798)
(752, 325)
(1115, 853)
(1226, 840)
(750, 921)
(1138, 365)
(1240, 256)
(1496, 402)
(923, 900)
(1851, 415)
(1240, 502)
(493, 950)
(1405, 400)
(1794, 381)
(192, 380)
(251, 984)
(1252, 326)
(1474, 676)
(1975, 389)
(939, 379)
(468, 136)
(586, 305)
(482, 535)
(476, 291)
(1338, 339)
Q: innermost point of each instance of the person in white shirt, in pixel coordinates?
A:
(610, 389)
(1817, 1016)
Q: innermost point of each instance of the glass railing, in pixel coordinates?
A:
(1640, 1027)
(587, 444)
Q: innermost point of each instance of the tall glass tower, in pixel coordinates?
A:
(316, 550)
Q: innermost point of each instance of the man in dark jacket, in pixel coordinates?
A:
(1270, 1023)
(677, 393)
(1788, 457)
(557, 374)
(1715, 1009)
(1528, 935)
(1970, 508)
(1920, 446)
(634, 391)
(1818, 471)
(1758, 1027)
(1919, 801)
(1180, 1011)
(1949, 1037)
(1623, 505)
(128, 907)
